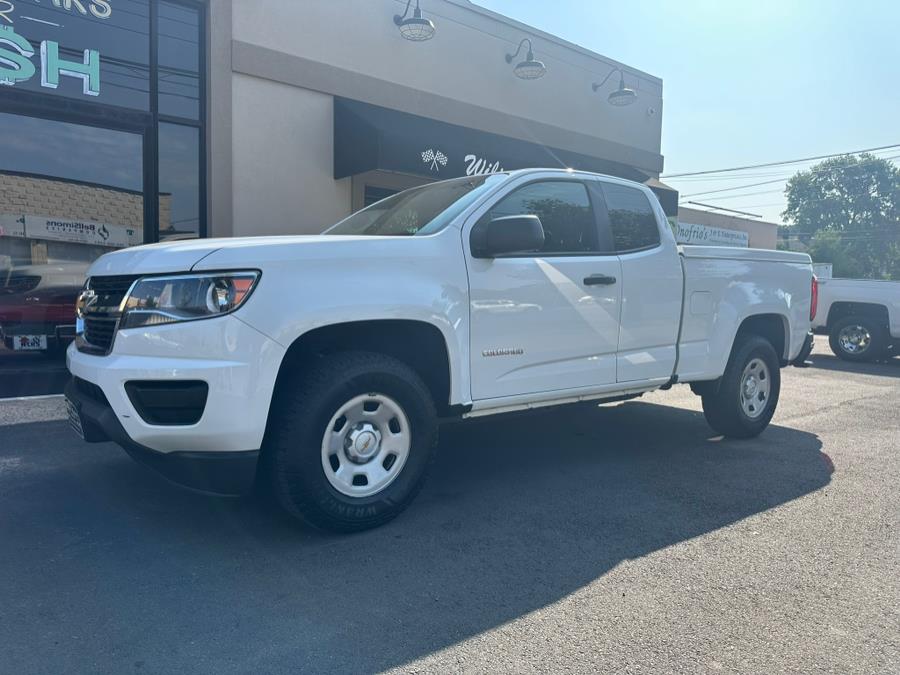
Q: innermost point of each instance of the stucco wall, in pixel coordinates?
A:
(283, 160)
(464, 62)
(275, 66)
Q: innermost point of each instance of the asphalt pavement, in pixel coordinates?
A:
(618, 538)
(31, 373)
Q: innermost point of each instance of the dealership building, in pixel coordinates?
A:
(136, 121)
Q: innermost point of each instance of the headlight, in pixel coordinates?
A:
(154, 301)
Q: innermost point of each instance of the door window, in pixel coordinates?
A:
(631, 218)
(565, 212)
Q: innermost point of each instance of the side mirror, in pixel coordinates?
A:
(506, 235)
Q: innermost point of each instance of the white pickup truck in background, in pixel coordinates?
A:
(320, 365)
(860, 316)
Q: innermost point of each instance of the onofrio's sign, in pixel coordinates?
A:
(705, 235)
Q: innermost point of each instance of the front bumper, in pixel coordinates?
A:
(219, 473)
(217, 453)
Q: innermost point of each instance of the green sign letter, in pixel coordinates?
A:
(52, 67)
(14, 65)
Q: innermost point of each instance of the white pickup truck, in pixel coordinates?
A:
(321, 365)
(860, 316)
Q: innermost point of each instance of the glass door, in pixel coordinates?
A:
(68, 194)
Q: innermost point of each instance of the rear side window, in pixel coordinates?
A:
(631, 218)
(565, 212)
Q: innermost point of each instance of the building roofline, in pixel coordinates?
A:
(758, 221)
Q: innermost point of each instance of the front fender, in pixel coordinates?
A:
(408, 278)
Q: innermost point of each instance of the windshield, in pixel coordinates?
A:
(419, 211)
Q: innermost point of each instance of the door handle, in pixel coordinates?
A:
(599, 280)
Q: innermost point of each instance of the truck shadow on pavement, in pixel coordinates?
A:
(115, 568)
(887, 367)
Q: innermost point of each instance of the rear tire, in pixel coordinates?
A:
(350, 441)
(745, 400)
(858, 339)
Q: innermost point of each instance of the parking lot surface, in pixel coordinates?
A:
(624, 538)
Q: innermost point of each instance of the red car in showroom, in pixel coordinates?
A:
(37, 305)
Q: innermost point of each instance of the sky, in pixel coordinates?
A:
(747, 82)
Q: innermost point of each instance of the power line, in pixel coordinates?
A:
(781, 163)
(844, 237)
(756, 174)
(784, 180)
(750, 194)
(737, 187)
(722, 208)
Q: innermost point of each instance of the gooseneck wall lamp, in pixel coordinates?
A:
(623, 95)
(530, 68)
(414, 28)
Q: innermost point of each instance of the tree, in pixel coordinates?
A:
(847, 211)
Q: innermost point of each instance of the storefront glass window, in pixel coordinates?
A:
(179, 61)
(179, 181)
(68, 194)
(93, 50)
(90, 161)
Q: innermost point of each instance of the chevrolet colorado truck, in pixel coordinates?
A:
(860, 316)
(318, 367)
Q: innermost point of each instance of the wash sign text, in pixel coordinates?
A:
(16, 63)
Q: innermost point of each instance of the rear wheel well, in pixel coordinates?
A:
(418, 344)
(771, 327)
(840, 310)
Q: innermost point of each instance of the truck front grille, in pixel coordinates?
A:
(111, 290)
(101, 317)
(99, 332)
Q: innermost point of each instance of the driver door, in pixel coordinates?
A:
(548, 320)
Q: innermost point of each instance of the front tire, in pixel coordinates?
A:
(858, 339)
(350, 441)
(745, 400)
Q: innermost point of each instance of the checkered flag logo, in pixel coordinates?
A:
(435, 158)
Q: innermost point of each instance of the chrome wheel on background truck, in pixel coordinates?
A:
(857, 338)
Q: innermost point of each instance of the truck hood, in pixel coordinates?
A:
(182, 256)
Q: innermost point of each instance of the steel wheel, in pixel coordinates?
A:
(365, 445)
(755, 388)
(854, 339)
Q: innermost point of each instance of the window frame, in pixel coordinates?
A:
(145, 123)
(607, 221)
(200, 123)
(600, 237)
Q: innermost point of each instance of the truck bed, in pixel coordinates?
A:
(740, 253)
(724, 285)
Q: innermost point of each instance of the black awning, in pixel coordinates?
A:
(368, 137)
